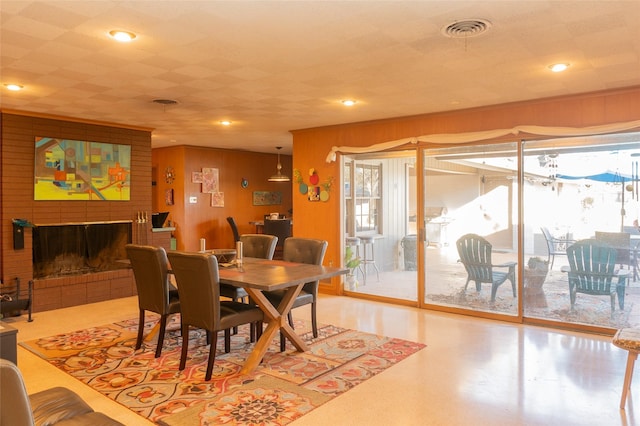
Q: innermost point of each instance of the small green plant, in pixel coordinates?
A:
(350, 260)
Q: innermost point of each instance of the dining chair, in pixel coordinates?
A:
(155, 292)
(301, 250)
(198, 282)
(234, 228)
(281, 228)
(261, 246)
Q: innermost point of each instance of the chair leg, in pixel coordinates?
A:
(140, 330)
(283, 343)
(185, 346)
(212, 354)
(314, 322)
(227, 340)
(161, 332)
(628, 375)
(252, 332)
(259, 329)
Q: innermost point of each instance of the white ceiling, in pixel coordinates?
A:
(275, 66)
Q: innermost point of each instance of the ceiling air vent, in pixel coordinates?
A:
(466, 28)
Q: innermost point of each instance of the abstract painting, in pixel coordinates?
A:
(81, 170)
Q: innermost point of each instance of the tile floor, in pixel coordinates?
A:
(472, 372)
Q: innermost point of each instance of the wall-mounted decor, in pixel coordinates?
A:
(169, 175)
(196, 177)
(217, 199)
(316, 190)
(168, 197)
(267, 198)
(210, 180)
(68, 169)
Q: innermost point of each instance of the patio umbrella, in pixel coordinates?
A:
(609, 177)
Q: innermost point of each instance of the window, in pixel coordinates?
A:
(364, 199)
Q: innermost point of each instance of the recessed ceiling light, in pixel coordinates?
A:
(225, 122)
(124, 36)
(348, 102)
(13, 87)
(558, 67)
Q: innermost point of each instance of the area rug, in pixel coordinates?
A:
(283, 388)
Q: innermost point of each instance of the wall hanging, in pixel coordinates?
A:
(315, 190)
(80, 170)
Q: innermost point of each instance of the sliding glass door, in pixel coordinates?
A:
(380, 224)
(470, 197)
(490, 230)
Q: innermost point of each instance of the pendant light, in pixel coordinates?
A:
(279, 177)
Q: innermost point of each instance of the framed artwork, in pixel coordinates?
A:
(168, 197)
(67, 169)
(196, 177)
(210, 180)
(267, 198)
(217, 199)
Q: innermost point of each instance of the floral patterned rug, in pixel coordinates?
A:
(284, 387)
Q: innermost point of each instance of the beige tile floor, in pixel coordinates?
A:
(472, 372)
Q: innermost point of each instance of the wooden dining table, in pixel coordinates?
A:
(259, 275)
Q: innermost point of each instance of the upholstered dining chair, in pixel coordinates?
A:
(281, 228)
(155, 292)
(199, 287)
(261, 246)
(301, 250)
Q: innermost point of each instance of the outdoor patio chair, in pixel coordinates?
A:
(555, 246)
(475, 255)
(592, 270)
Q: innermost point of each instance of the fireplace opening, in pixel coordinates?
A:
(79, 248)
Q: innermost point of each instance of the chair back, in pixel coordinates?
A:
(281, 228)
(305, 250)
(475, 255)
(14, 400)
(234, 229)
(621, 241)
(262, 246)
(151, 273)
(592, 266)
(198, 284)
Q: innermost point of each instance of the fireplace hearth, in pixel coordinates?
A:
(79, 248)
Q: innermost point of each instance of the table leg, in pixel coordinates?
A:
(276, 319)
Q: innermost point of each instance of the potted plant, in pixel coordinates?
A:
(351, 261)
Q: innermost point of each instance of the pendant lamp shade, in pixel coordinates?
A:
(279, 177)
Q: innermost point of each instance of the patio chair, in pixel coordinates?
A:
(475, 255)
(592, 270)
(555, 246)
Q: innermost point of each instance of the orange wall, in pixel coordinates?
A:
(311, 146)
(201, 220)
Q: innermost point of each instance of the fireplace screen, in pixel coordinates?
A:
(73, 249)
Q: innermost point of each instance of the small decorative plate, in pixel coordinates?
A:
(244, 183)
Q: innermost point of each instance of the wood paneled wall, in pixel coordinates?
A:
(311, 146)
(201, 220)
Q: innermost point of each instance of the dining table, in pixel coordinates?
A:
(257, 276)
